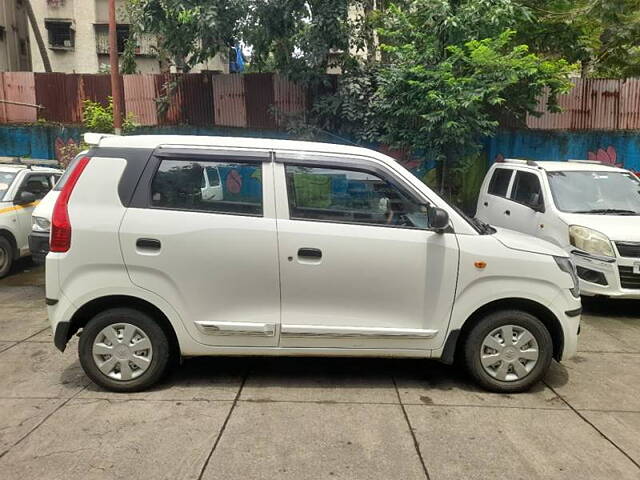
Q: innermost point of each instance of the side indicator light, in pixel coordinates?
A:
(480, 265)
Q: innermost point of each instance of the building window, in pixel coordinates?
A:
(2, 33)
(61, 35)
(23, 47)
(102, 38)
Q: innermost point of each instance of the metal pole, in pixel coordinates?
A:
(38, 36)
(115, 71)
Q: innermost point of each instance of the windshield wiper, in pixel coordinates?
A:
(605, 211)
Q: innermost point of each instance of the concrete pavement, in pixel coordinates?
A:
(268, 418)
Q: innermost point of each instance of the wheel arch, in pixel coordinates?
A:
(87, 311)
(456, 338)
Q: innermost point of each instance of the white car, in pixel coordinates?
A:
(314, 249)
(21, 188)
(590, 210)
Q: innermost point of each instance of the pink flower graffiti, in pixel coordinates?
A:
(608, 156)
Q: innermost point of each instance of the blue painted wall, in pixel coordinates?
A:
(622, 148)
(40, 142)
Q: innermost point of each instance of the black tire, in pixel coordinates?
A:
(473, 350)
(159, 344)
(8, 255)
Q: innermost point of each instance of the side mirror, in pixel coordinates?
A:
(535, 203)
(24, 198)
(438, 219)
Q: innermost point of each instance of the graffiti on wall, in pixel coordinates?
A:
(608, 156)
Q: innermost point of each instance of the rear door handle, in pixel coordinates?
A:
(148, 244)
(310, 253)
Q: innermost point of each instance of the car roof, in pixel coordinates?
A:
(564, 166)
(9, 167)
(154, 141)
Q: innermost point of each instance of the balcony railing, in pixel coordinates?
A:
(146, 45)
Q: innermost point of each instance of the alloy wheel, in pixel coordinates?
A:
(509, 353)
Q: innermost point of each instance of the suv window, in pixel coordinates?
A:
(350, 196)
(38, 184)
(526, 188)
(180, 184)
(6, 179)
(500, 182)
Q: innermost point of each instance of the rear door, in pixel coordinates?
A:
(215, 260)
(359, 267)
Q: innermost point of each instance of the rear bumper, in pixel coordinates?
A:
(39, 245)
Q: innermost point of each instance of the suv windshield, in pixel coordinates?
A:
(6, 178)
(597, 192)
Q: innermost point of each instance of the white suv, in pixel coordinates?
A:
(21, 188)
(311, 249)
(590, 210)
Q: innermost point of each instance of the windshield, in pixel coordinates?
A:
(597, 192)
(6, 178)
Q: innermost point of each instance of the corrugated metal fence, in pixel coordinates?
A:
(257, 101)
(264, 100)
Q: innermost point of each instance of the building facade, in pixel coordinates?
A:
(76, 33)
(15, 52)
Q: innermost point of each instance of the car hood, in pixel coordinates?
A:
(526, 243)
(616, 227)
(44, 209)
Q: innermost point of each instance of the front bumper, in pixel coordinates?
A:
(607, 276)
(39, 245)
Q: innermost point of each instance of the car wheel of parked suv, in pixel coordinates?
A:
(6, 257)
(123, 350)
(508, 351)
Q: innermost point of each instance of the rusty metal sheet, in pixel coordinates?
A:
(259, 100)
(140, 98)
(630, 104)
(197, 99)
(290, 99)
(17, 87)
(229, 100)
(59, 94)
(605, 104)
(96, 87)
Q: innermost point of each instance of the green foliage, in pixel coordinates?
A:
(189, 31)
(98, 118)
(128, 62)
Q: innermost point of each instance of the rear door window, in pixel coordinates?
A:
(499, 183)
(233, 188)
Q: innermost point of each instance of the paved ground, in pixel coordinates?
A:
(315, 418)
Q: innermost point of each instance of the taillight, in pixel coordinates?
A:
(60, 224)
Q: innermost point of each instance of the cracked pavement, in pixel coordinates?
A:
(329, 418)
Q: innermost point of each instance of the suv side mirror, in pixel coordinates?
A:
(24, 198)
(438, 219)
(535, 203)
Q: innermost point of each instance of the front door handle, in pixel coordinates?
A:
(148, 244)
(310, 253)
(507, 212)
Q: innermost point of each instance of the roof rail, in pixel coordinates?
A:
(94, 138)
(593, 162)
(521, 161)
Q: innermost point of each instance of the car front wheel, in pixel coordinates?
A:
(123, 350)
(6, 257)
(508, 351)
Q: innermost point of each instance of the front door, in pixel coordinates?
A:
(39, 185)
(358, 266)
(214, 260)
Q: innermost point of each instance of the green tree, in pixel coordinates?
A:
(189, 31)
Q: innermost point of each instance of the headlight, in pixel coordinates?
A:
(567, 266)
(40, 224)
(590, 241)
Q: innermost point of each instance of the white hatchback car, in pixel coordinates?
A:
(312, 249)
(590, 210)
(21, 188)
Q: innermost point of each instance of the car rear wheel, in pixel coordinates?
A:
(508, 351)
(6, 257)
(123, 350)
